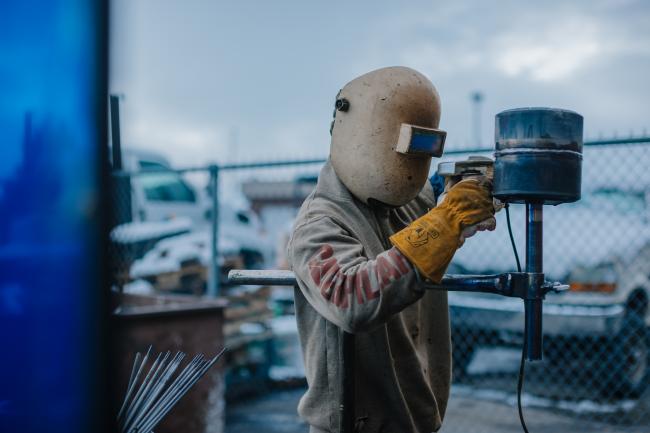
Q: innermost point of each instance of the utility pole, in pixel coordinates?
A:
(233, 144)
(477, 98)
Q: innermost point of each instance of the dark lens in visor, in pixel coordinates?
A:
(421, 141)
(427, 141)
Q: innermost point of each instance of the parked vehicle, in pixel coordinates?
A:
(170, 227)
(601, 247)
(162, 195)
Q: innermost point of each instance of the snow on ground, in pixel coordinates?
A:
(580, 407)
(141, 231)
(138, 287)
(168, 254)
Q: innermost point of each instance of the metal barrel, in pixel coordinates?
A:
(538, 155)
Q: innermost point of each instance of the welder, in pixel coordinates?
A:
(365, 242)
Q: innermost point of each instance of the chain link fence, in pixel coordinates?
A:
(174, 234)
(595, 373)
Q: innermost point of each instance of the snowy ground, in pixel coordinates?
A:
(479, 406)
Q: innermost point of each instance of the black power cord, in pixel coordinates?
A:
(520, 381)
(512, 239)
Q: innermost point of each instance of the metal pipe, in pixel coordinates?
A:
(463, 283)
(116, 138)
(534, 264)
(266, 277)
(473, 283)
(213, 280)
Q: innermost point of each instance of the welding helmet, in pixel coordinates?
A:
(384, 134)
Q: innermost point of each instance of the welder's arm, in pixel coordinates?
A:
(431, 241)
(345, 286)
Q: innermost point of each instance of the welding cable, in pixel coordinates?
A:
(520, 384)
(520, 381)
(512, 239)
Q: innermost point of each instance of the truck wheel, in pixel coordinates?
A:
(462, 353)
(631, 358)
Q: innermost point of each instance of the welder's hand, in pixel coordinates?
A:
(431, 241)
(489, 224)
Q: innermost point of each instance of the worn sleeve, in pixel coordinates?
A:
(345, 286)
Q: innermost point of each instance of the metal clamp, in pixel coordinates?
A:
(555, 287)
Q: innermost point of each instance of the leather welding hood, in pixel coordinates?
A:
(384, 134)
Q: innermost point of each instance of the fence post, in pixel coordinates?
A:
(213, 276)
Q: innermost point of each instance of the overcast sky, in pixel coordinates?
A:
(255, 80)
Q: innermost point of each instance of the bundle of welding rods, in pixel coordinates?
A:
(148, 400)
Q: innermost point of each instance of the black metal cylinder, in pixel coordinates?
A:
(534, 264)
(538, 155)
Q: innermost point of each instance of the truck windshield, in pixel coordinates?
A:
(166, 187)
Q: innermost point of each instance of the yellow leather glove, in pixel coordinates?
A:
(430, 242)
(490, 223)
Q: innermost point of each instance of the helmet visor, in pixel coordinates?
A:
(420, 141)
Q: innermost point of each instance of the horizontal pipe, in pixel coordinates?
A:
(464, 283)
(473, 283)
(262, 277)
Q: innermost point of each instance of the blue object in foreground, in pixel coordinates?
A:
(52, 117)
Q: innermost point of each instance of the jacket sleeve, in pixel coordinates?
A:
(342, 283)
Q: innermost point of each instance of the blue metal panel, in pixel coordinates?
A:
(52, 82)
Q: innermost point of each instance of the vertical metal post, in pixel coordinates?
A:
(121, 206)
(534, 264)
(116, 138)
(213, 277)
(477, 98)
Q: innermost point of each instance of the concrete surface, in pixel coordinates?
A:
(483, 403)
(270, 413)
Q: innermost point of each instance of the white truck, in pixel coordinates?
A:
(163, 205)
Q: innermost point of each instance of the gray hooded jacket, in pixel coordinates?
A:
(350, 277)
